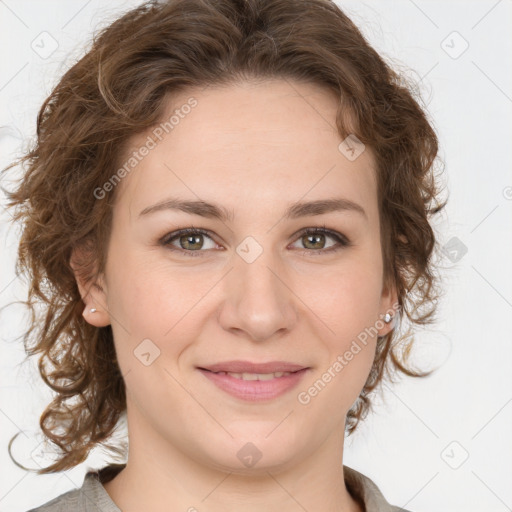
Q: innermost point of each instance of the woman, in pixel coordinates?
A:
(225, 215)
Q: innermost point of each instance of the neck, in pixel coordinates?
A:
(160, 477)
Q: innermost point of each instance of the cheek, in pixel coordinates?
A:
(349, 309)
(347, 300)
(339, 379)
(150, 300)
(147, 293)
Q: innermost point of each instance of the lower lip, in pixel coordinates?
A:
(255, 390)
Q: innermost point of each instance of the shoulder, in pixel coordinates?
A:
(67, 502)
(91, 497)
(367, 492)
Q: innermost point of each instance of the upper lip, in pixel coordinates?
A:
(250, 367)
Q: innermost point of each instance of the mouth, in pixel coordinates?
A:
(254, 368)
(254, 381)
(253, 376)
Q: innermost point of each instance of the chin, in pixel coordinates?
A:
(256, 454)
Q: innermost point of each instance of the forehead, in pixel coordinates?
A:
(275, 141)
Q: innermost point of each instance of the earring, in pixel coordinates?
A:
(93, 310)
(387, 318)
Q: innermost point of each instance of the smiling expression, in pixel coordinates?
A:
(281, 262)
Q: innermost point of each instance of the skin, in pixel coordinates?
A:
(253, 148)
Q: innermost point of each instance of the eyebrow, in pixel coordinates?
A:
(294, 211)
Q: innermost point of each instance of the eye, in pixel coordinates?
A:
(188, 241)
(193, 241)
(315, 240)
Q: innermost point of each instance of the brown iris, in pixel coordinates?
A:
(315, 239)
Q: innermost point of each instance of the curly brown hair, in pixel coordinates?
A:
(121, 88)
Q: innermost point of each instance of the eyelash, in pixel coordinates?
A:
(342, 241)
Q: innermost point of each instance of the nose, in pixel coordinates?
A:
(259, 303)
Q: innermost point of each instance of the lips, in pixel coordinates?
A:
(250, 367)
(254, 382)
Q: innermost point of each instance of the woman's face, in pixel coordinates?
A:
(254, 166)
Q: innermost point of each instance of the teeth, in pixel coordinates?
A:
(256, 376)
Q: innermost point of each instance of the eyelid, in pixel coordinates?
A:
(167, 238)
(340, 238)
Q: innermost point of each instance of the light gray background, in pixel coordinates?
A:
(415, 444)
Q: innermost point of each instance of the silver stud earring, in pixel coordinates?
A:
(92, 310)
(387, 318)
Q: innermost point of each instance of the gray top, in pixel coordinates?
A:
(92, 496)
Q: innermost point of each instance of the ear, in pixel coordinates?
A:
(389, 304)
(93, 290)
